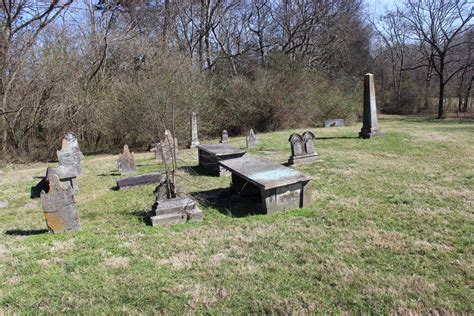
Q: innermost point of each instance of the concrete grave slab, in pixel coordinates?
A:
(210, 155)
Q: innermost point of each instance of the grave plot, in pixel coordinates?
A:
(274, 186)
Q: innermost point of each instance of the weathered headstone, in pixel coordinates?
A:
(177, 210)
(334, 123)
(251, 139)
(73, 143)
(370, 126)
(224, 137)
(167, 148)
(126, 162)
(3, 203)
(302, 148)
(194, 131)
(69, 157)
(59, 207)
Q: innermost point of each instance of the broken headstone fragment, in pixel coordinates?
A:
(370, 126)
(59, 207)
(126, 162)
(168, 210)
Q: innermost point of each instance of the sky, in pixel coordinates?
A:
(376, 8)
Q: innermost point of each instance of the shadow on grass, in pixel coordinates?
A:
(336, 137)
(143, 216)
(228, 203)
(112, 173)
(195, 170)
(43, 185)
(21, 232)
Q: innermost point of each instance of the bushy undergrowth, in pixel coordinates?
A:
(141, 99)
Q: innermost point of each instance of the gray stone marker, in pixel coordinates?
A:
(370, 126)
(334, 123)
(169, 211)
(69, 156)
(210, 155)
(67, 176)
(194, 131)
(73, 143)
(126, 162)
(224, 137)
(274, 186)
(251, 139)
(167, 147)
(143, 179)
(59, 207)
(3, 203)
(302, 148)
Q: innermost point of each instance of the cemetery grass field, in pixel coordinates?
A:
(390, 229)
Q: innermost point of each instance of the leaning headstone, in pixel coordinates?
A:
(370, 126)
(224, 137)
(126, 162)
(59, 207)
(169, 211)
(167, 147)
(251, 139)
(194, 131)
(69, 157)
(334, 123)
(67, 176)
(302, 148)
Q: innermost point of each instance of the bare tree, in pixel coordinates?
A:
(21, 23)
(438, 25)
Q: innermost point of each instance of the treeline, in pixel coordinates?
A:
(118, 72)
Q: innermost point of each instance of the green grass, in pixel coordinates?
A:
(390, 229)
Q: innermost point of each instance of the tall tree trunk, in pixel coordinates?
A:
(441, 103)
(467, 95)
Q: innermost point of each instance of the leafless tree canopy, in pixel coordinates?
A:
(111, 70)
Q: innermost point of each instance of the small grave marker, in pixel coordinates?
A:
(224, 137)
(334, 123)
(251, 139)
(126, 162)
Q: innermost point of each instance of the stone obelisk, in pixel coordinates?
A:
(370, 126)
(194, 131)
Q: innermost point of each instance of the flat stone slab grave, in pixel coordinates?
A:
(139, 180)
(275, 186)
(334, 123)
(210, 155)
